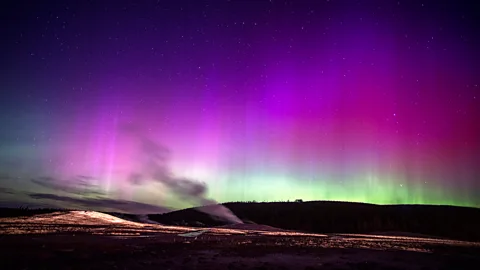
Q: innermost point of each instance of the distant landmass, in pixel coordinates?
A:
(452, 222)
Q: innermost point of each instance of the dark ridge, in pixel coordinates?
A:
(453, 222)
(27, 212)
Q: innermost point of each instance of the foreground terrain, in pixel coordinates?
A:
(92, 240)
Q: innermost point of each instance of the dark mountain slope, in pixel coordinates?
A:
(326, 217)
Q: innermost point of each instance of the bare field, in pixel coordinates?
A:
(91, 240)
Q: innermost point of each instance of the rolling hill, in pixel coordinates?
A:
(344, 217)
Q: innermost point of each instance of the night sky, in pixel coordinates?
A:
(139, 106)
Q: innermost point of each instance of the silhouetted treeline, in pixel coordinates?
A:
(343, 217)
(25, 211)
(325, 217)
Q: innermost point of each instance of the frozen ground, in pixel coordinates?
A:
(91, 240)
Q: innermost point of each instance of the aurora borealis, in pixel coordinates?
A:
(366, 101)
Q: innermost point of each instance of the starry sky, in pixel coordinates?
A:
(142, 106)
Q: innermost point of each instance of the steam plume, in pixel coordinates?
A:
(154, 167)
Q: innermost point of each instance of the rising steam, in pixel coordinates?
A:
(154, 159)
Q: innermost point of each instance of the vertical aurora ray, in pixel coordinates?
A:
(375, 102)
